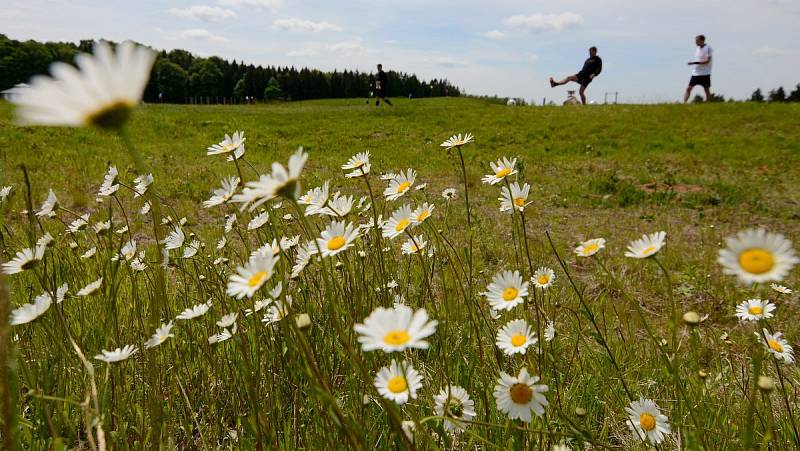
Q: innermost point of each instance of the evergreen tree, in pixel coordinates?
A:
(795, 95)
(273, 90)
(777, 95)
(757, 96)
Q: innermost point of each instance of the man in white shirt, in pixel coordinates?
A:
(701, 73)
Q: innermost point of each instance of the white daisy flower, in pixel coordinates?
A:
(754, 310)
(162, 334)
(647, 245)
(78, 224)
(413, 245)
(258, 221)
(49, 205)
(756, 256)
(25, 259)
(249, 278)
(550, 331)
(228, 320)
(277, 311)
(516, 198)
(543, 278)
(398, 222)
(338, 206)
(281, 182)
(422, 213)
(420, 187)
(29, 312)
(195, 311)
(140, 185)
(222, 243)
(236, 155)
(454, 403)
(395, 329)
(500, 170)
(289, 242)
(101, 227)
(515, 337)
(128, 251)
(89, 253)
(228, 144)
(409, 429)
(337, 237)
(268, 248)
(175, 239)
(109, 185)
(518, 396)
(358, 164)
(400, 184)
(449, 194)
(138, 265)
(457, 141)
(90, 288)
(221, 195)
(779, 347)
(590, 247)
(4, 192)
(121, 231)
(506, 291)
(145, 208)
(304, 254)
(780, 288)
(316, 199)
(561, 447)
(398, 382)
(102, 90)
(647, 422)
(191, 250)
(230, 220)
(45, 241)
(117, 355)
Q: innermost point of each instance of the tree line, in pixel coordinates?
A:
(178, 76)
(776, 95)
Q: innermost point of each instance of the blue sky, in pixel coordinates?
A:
(504, 47)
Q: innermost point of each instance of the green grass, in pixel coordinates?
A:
(699, 172)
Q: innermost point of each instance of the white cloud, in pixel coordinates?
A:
(301, 25)
(204, 13)
(258, 4)
(545, 22)
(495, 34)
(200, 34)
(348, 48)
(770, 51)
(446, 61)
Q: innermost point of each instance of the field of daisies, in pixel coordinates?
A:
(366, 309)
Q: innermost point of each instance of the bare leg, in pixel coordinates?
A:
(708, 94)
(554, 83)
(687, 94)
(583, 96)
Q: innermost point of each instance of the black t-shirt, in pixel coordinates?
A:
(383, 81)
(592, 66)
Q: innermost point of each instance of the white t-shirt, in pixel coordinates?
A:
(701, 54)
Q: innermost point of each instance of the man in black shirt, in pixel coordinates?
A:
(591, 69)
(381, 85)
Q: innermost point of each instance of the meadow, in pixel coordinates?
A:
(603, 331)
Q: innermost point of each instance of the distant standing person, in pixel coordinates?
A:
(381, 85)
(591, 69)
(701, 73)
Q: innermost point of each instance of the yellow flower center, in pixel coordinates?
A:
(401, 225)
(590, 248)
(649, 250)
(228, 147)
(112, 115)
(774, 345)
(518, 340)
(502, 173)
(336, 243)
(647, 422)
(397, 384)
(423, 216)
(543, 279)
(756, 260)
(755, 310)
(521, 393)
(358, 164)
(403, 186)
(396, 337)
(519, 202)
(257, 279)
(414, 248)
(510, 293)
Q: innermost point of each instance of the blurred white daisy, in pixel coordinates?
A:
(128, 251)
(116, 355)
(457, 141)
(778, 346)
(221, 195)
(281, 182)
(337, 237)
(191, 249)
(45, 241)
(449, 194)
(89, 253)
(78, 224)
(515, 198)
(543, 278)
(230, 220)
(358, 164)
(500, 170)
(304, 254)
(590, 247)
(29, 312)
(277, 311)
(145, 208)
(454, 403)
(413, 245)
(754, 310)
(102, 90)
(23, 260)
(780, 288)
(398, 382)
(647, 245)
(289, 242)
(395, 329)
(49, 205)
(249, 278)
(222, 336)
(175, 239)
(400, 184)
(398, 222)
(315, 199)
(160, 336)
(4, 192)
(228, 144)
(506, 291)
(421, 213)
(258, 221)
(647, 422)
(756, 256)
(515, 337)
(90, 288)
(141, 183)
(550, 331)
(109, 185)
(228, 320)
(518, 396)
(195, 311)
(101, 227)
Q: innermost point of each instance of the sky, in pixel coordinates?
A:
(503, 47)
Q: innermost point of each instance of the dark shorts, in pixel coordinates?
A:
(583, 79)
(701, 80)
